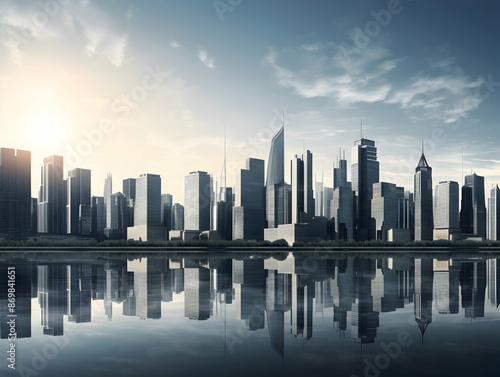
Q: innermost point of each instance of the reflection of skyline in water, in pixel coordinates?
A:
(262, 291)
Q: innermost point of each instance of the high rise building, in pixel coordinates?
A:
(319, 199)
(15, 194)
(364, 174)
(52, 197)
(275, 182)
(108, 190)
(473, 212)
(129, 192)
(494, 214)
(340, 172)
(341, 202)
(223, 212)
(78, 208)
(384, 208)
(118, 217)
(302, 190)
(98, 216)
(197, 201)
(446, 211)
(34, 216)
(424, 219)
(166, 210)
(249, 210)
(178, 217)
(147, 210)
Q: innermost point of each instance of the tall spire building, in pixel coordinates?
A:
(424, 217)
(278, 193)
(365, 171)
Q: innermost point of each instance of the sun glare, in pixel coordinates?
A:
(46, 128)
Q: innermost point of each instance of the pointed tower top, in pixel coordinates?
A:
(423, 162)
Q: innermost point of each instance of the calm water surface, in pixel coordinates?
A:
(252, 315)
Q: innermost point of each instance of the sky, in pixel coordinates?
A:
(133, 87)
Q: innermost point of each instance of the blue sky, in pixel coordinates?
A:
(413, 70)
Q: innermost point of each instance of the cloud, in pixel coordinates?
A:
(446, 97)
(322, 70)
(207, 60)
(174, 44)
(116, 51)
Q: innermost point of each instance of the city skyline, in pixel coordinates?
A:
(441, 91)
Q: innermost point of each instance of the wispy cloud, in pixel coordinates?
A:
(322, 70)
(207, 60)
(446, 97)
(174, 44)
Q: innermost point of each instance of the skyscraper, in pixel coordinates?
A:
(15, 194)
(473, 212)
(250, 207)
(494, 214)
(384, 208)
(424, 219)
(446, 211)
(108, 190)
(178, 217)
(129, 192)
(98, 216)
(52, 197)
(118, 217)
(275, 182)
(302, 190)
(147, 210)
(197, 201)
(166, 210)
(364, 173)
(78, 208)
(342, 201)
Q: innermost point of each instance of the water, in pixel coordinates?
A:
(267, 314)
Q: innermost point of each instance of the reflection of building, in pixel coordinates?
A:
(494, 282)
(79, 293)
(197, 293)
(249, 282)
(147, 286)
(302, 306)
(364, 319)
(423, 293)
(52, 297)
(446, 287)
(473, 288)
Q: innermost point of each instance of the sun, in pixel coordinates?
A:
(46, 128)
